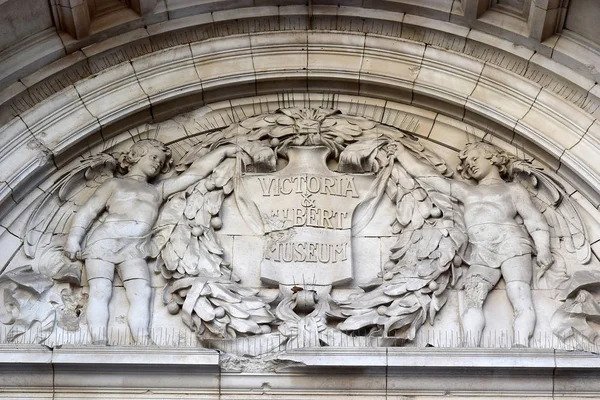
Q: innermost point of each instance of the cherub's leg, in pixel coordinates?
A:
(517, 274)
(136, 280)
(478, 283)
(100, 274)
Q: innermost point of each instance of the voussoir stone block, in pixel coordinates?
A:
(503, 96)
(394, 62)
(409, 118)
(583, 156)
(61, 121)
(113, 94)
(167, 73)
(281, 54)
(554, 123)
(335, 56)
(447, 75)
(222, 62)
(25, 160)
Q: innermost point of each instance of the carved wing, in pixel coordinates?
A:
(190, 256)
(550, 197)
(425, 259)
(567, 231)
(50, 220)
(29, 298)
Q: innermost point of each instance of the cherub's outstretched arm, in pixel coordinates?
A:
(428, 174)
(84, 218)
(535, 223)
(198, 170)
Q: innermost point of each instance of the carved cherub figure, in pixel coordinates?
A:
(113, 228)
(499, 244)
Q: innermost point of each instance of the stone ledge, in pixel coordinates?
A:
(138, 355)
(371, 373)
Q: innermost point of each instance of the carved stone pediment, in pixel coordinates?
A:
(302, 227)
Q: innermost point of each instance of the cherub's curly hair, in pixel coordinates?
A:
(139, 150)
(498, 157)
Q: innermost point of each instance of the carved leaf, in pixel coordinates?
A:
(204, 309)
(396, 289)
(191, 257)
(202, 218)
(360, 321)
(280, 131)
(170, 257)
(219, 291)
(359, 156)
(168, 219)
(194, 202)
(223, 172)
(190, 302)
(437, 302)
(248, 209)
(180, 238)
(214, 200)
(244, 325)
(405, 210)
(255, 122)
(364, 212)
(208, 264)
(235, 310)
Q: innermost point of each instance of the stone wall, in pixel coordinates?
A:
(445, 73)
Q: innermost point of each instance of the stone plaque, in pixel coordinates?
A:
(307, 214)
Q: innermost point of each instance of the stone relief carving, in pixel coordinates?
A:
(496, 243)
(304, 181)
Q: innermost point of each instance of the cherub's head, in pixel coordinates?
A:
(477, 158)
(146, 147)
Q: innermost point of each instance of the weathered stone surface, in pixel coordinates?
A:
(349, 207)
(390, 65)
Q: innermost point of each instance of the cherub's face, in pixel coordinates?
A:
(152, 162)
(477, 164)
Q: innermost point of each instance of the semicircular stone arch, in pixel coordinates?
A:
(445, 73)
(373, 75)
(163, 83)
(182, 96)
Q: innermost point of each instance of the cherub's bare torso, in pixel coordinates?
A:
(124, 230)
(494, 234)
(132, 201)
(490, 205)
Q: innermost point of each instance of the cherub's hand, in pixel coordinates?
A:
(394, 149)
(544, 259)
(230, 150)
(72, 251)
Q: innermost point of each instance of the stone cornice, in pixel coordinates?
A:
(164, 372)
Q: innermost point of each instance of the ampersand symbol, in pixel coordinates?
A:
(307, 200)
